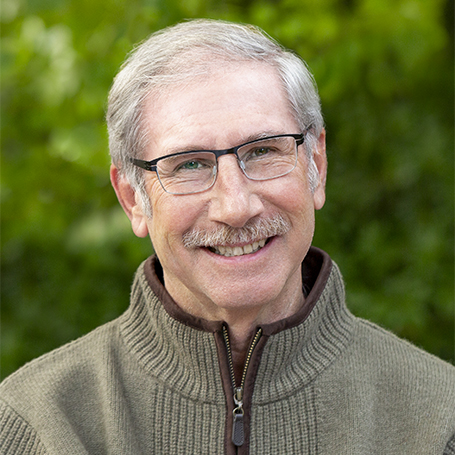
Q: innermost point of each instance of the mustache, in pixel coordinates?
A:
(254, 230)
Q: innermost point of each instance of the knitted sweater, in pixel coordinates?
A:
(157, 381)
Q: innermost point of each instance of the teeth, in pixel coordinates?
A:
(247, 249)
(238, 250)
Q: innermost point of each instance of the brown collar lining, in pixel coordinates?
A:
(316, 269)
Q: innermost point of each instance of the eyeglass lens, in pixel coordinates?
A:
(259, 160)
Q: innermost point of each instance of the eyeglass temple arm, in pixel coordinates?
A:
(143, 164)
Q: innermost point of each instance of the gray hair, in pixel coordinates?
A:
(179, 53)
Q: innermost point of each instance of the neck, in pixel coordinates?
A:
(242, 317)
(243, 322)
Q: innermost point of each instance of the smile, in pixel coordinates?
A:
(229, 251)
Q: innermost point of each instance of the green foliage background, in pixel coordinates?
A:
(385, 75)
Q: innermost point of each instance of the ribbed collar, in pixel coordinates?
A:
(180, 348)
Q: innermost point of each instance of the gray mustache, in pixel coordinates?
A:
(227, 235)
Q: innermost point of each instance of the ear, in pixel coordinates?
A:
(320, 159)
(130, 201)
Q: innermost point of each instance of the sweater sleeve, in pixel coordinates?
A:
(16, 435)
(450, 447)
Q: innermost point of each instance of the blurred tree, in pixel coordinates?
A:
(385, 75)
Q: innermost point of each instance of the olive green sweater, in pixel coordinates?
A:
(157, 381)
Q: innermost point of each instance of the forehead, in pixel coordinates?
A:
(228, 105)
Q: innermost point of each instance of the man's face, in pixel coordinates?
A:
(226, 108)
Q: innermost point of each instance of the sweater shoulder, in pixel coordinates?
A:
(401, 360)
(64, 399)
(388, 340)
(70, 362)
(383, 391)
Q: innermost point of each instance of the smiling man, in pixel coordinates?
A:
(237, 339)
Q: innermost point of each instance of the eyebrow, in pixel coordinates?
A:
(196, 148)
(263, 135)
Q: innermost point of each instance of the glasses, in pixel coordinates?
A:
(196, 171)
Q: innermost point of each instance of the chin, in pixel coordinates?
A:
(245, 300)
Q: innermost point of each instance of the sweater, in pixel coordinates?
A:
(157, 381)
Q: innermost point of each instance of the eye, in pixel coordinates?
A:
(260, 151)
(186, 163)
(191, 165)
(194, 164)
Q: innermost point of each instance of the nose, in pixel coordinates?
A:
(234, 200)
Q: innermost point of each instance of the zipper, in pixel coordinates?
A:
(238, 434)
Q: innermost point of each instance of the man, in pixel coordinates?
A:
(237, 339)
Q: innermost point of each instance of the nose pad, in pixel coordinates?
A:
(214, 175)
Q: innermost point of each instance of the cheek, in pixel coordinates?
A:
(172, 217)
(154, 189)
(291, 194)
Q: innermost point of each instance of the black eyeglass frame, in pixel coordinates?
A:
(152, 164)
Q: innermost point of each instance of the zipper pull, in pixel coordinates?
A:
(238, 435)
